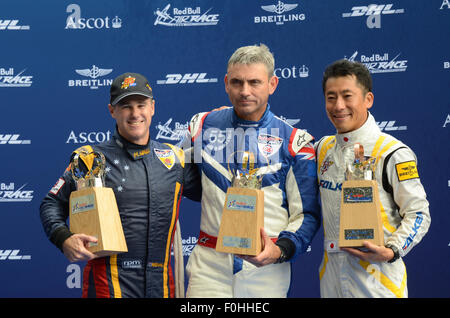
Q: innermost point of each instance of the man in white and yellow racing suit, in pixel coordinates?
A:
(377, 271)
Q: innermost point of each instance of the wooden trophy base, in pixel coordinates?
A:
(93, 211)
(360, 218)
(242, 220)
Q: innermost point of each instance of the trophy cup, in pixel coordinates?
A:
(93, 208)
(360, 217)
(243, 211)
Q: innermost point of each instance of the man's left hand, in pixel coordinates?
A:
(269, 254)
(374, 253)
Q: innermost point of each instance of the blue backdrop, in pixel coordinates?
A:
(58, 58)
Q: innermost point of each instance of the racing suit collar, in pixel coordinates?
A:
(369, 129)
(265, 119)
(135, 151)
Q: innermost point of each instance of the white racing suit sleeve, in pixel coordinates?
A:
(409, 195)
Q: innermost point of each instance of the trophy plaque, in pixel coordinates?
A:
(360, 217)
(93, 207)
(243, 212)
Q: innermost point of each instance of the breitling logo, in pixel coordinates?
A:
(94, 73)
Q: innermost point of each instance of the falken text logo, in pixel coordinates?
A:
(75, 21)
(188, 78)
(280, 17)
(13, 255)
(373, 13)
(381, 63)
(12, 25)
(93, 73)
(185, 17)
(8, 79)
(13, 139)
(175, 134)
(9, 194)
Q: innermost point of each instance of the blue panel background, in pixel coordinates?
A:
(56, 118)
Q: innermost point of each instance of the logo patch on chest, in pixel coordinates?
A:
(269, 145)
(166, 156)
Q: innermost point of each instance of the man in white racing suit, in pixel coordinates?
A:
(374, 271)
(291, 206)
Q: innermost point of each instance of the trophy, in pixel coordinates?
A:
(243, 211)
(93, 207)
(360, 217)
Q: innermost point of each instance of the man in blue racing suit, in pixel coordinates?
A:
(286, 159)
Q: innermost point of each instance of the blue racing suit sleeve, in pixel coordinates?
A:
(302, 194)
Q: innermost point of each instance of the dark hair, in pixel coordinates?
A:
(345, 68)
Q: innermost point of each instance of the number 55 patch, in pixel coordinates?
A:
(407, 170)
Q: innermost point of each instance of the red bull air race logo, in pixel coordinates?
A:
(185, 17)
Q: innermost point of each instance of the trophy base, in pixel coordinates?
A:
(93, 211)
(360, 216)
(242, 220)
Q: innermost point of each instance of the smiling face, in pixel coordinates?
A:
(346, 103)
(248, 87)
(133, 116)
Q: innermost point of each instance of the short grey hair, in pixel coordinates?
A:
(254, 54)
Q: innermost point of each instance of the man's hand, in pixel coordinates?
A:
(75, 247)
(374, 253)
(269, 254)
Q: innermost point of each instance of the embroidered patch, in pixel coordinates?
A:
(57, 186)
(406, 170)
(127, 82)
(326, 164)
(269, 145)
(166, 156)
(140, 153)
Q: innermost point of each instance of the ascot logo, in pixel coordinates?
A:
(292, 72)
(374, 12)
(185, 17)
(91, 137)
(380, 63)
(8, 79)
(92, 73)
(75, 21)
(279, 18)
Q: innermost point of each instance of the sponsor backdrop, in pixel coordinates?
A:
(58, 58)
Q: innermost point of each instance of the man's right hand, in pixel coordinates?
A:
(75, 250)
